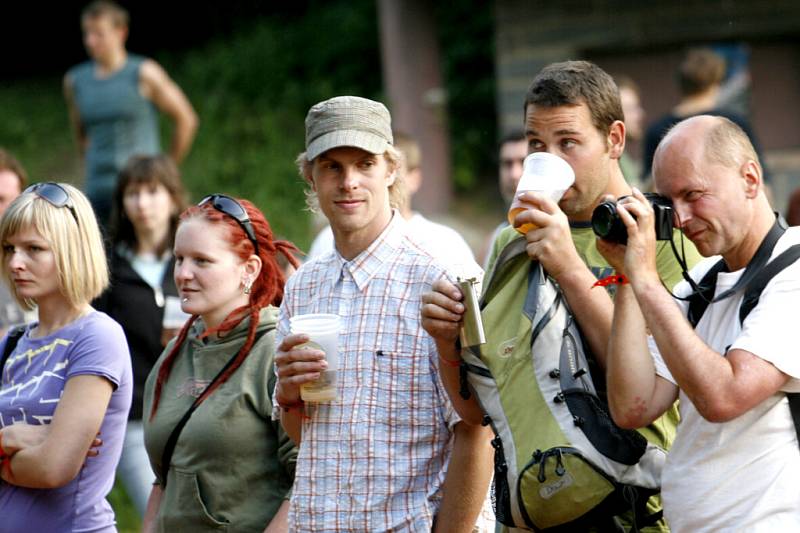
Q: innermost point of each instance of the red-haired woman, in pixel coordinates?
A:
(220, 461)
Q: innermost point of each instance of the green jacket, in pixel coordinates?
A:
(233, 465)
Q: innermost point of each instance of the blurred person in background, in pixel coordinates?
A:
(630, 97)
(147, 201)
(66, 384)
(113, 102)
(232, 466)
(700, 76)
(12, 180)
(513, 150)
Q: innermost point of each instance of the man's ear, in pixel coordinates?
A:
(752, 177)
(615, 140)
(308, 175)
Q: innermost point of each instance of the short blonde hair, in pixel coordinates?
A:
(77, 245)
(397, 196)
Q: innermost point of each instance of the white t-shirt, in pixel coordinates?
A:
(741, 475)
(442, 242)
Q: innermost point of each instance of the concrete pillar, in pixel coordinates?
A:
(413, 82)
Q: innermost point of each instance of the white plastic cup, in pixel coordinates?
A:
(174, 317)
(323, 331)
(545, 173)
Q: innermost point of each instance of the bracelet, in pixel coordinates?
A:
(450, 362)
(614, 279)
(299, 404)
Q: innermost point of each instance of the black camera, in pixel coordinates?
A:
(608, 225)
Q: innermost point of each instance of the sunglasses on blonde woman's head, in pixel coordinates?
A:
(229, 206)
(55, 194)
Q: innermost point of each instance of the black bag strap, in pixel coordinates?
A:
(756, 286)
(12, 338)
(750, 300)
(172, 441)
(704, 293)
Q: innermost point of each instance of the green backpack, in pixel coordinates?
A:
(560, 461)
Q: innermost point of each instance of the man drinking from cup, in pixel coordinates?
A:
(573, 111)
(389, 453)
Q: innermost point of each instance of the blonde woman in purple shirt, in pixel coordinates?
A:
(66, 385)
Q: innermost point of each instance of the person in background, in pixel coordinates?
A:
(440, 240)
(113, 102)
(232, 466)
(700, 76)
(147, 201)
(12, 180)
(513, 150)
(632, 110)
(66, 385)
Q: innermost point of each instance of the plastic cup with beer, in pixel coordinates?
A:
(545, 173)
(323, 331)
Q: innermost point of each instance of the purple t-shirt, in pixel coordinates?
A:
(32, 383)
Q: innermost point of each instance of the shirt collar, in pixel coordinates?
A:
(365, 265)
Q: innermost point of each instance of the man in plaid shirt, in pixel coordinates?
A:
(389, 453)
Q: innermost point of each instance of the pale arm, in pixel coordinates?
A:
(441, 318)
(279, 522)
(157, 86)
(76, 421)
(151, 512)
(78, 133)
(466, 484)
(636, 395)
(721, 388)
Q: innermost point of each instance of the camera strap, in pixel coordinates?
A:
(703, 294)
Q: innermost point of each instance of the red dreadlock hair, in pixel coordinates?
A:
(267, 288)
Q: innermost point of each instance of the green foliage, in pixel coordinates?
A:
(466, 34)
(128, 520)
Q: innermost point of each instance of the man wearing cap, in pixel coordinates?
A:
(376, 458)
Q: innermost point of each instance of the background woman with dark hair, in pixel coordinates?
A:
(147, 201)
(232, 465)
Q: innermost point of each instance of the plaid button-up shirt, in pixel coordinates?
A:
(374, 459)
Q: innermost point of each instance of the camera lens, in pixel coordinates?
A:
(603, 219)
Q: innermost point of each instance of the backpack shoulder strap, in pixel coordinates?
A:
(750, 300)
(509, 252)
(754, 289)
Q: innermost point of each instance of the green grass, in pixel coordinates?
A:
(128, 520)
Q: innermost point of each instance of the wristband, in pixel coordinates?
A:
(299, 404)
(450, 362)
(614, 279)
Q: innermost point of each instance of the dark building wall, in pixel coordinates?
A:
(646, 41)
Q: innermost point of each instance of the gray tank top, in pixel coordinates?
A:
(119, 122)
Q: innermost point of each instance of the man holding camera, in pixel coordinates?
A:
(735, 461)
(572, 110)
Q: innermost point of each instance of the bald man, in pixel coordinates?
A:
(735, 461)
